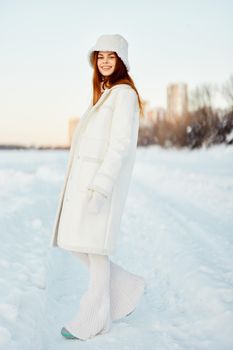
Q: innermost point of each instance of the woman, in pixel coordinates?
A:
(91, 203)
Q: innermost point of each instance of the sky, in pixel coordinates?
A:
(45, 77)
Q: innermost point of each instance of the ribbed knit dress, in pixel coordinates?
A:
(112, 294)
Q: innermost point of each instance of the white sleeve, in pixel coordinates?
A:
(119, 141)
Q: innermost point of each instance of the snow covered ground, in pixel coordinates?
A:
(177, 232)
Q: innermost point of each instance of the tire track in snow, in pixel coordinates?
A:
(205, 229)
(194, 267)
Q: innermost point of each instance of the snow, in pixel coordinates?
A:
(4, 336)
(176, 233)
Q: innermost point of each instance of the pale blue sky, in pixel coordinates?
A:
(45, 75)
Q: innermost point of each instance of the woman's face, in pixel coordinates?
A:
(106, 62)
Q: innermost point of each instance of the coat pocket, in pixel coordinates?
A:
(87, 173)
(91, 148)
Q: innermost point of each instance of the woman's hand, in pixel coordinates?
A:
(95, 201)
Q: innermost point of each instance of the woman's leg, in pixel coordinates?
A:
(94, 316)
(126, 288)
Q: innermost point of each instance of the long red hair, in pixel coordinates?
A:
(119, 76)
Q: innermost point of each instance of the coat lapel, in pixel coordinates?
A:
(85, 118)
(82, 123)
(92, 108)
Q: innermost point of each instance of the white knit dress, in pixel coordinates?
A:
(112, 294)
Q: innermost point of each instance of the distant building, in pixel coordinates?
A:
(152, 114)
(156, 113)
(145, 121)
(177, 100)
(72, 124)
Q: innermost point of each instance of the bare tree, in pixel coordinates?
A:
(201, 98)
(227, 91)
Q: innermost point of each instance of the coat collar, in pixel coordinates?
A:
(104, 95)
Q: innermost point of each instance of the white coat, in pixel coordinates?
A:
(102, 155)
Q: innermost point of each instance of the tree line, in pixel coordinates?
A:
(203, 125)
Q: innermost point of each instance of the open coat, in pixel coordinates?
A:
(102, 155)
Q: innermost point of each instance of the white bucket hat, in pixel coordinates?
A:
(111, 42)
